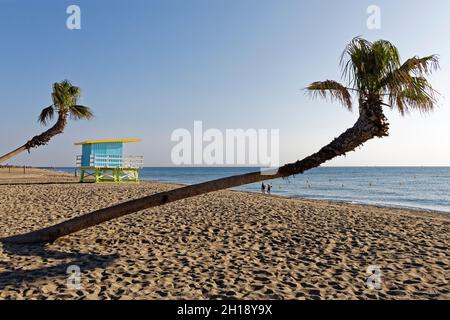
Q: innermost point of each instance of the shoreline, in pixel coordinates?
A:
(223, 245)
(70, 177)
(331, 201)
(324, 198)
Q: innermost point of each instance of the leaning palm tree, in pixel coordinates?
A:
(65, 103)
(375, 78)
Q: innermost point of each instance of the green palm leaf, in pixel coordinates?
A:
(78, 112)
(374, 72)
(331, 89)
(46, 115)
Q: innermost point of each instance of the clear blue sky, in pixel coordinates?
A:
(148, 67)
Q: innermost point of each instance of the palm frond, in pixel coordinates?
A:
(364, 64)
(78, 112)
(421, 66)
(407, 86)
(75, 92)
(332, 90)
(353, 60)
(417, 94)
(46, 115)
(386, 58)
(65, 94)
(415, 66)
(375, 72)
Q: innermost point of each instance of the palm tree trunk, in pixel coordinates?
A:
(41, 139)
(371, 123)
(13, 153)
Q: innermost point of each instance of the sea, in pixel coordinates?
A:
(425, 188)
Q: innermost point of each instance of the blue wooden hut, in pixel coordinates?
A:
(103, 160)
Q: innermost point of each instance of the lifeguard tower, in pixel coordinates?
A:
(103, 160)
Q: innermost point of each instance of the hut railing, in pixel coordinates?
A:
(111, 161)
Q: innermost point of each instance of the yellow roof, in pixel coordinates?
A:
(107, 141)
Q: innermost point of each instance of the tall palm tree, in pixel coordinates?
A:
(375, 78)
(65, 103)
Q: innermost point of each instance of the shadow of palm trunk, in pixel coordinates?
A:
(14, 277)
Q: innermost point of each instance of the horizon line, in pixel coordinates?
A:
(258, 167)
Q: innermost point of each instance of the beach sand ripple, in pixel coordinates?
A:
(222, 245)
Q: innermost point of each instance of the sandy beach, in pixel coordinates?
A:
(20, 175)
(222, 245)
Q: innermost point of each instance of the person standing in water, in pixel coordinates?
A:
(269, 188)
(263, 188)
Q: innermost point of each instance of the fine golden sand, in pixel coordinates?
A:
(33, 175)
(223, 245)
